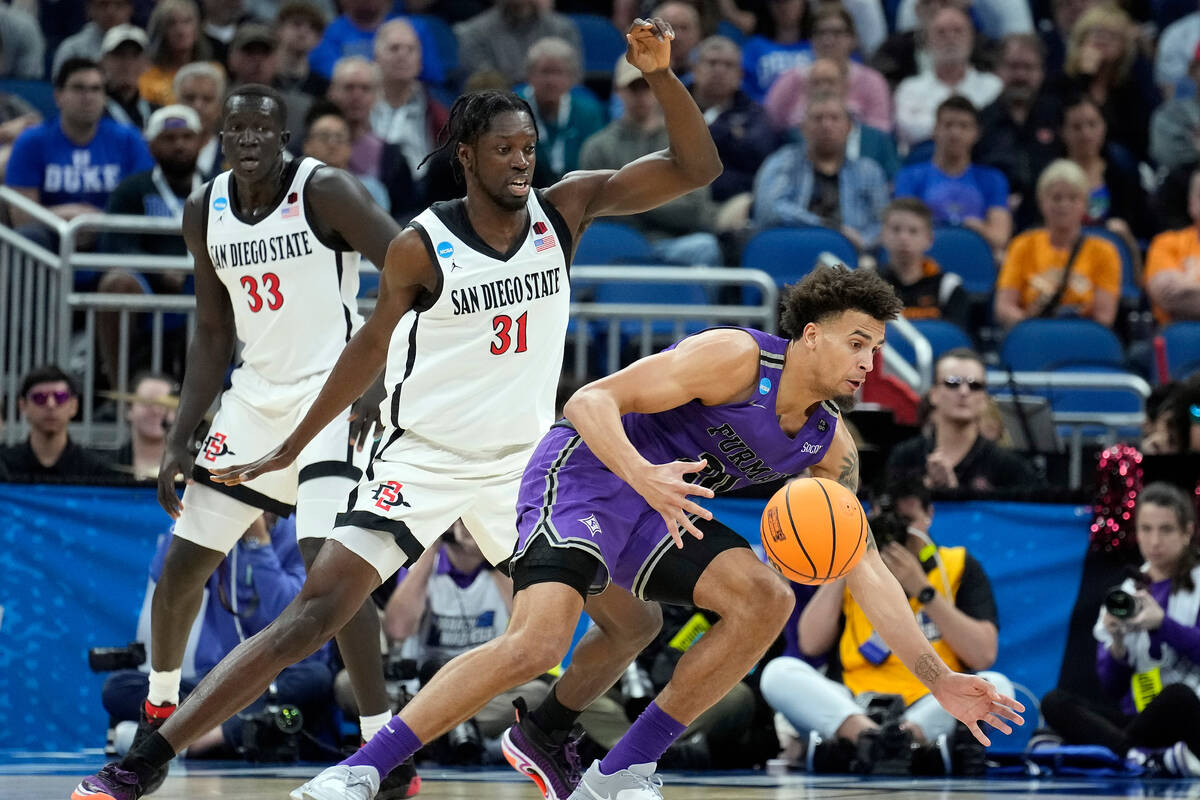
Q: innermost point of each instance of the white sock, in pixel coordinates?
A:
(164, 687)
(371, 725)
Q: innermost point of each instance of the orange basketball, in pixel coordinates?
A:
(814, 530)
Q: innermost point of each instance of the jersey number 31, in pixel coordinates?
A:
(502, 329)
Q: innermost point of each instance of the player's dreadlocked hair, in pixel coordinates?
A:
(827, 291)
(471, 115)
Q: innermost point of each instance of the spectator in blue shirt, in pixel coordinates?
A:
(957, 191)
(779, 43)
(72, 163)
(817, 183)
(353, 34)
(259, 577)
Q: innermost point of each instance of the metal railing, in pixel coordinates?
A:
(1110, 423)
(918, 376)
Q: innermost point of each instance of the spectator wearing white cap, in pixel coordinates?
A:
(103, 16)
(123, 59)
(173, 133)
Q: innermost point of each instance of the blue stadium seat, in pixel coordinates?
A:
(941, 334)
(1129, 283)
(968, 255)
(603, 44)
(612, 243)
(39, 94)
(1051, 344)
(788, 254)
(1183, 348)
(447, 44)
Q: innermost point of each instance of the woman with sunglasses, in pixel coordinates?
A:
(952, 453)
(1148, 649)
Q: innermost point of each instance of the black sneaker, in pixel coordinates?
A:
(400, 783)
(549, 760)
(150, 720)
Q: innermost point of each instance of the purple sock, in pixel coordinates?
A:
(645, 741)
(387, 749)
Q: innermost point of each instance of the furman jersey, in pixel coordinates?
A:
(475, 367)
(293, 295)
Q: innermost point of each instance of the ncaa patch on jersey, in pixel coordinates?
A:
(220, 204)
(445, 249)
(764, 386)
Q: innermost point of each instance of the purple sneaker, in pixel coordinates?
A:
(549, 760)
(110, 783)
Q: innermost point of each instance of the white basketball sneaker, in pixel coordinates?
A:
(340, 782)
(636, 783)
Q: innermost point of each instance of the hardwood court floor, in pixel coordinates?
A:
(52, 776)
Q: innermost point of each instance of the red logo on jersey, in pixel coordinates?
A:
(539, 227)
(215, 446)
(293, 197)
(387, 496)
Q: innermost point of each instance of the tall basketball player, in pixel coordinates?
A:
(604, 500)
(471, 324)
(276, 245)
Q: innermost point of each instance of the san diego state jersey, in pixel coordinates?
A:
(475, 367)
(293, 295)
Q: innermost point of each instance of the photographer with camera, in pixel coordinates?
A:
(1148, 649)
(450, 601)
(879, 718)
(260, 576)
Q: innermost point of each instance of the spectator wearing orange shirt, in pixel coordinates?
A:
(1057, 270)
(1173, 266)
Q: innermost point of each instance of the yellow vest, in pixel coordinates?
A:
(892, 677)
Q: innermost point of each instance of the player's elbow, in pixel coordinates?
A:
(706, 171)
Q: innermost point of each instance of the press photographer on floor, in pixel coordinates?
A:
(878, 717)
(1148, 649)
(258, 578)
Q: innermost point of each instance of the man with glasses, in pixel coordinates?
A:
(48, 401)
(71, 164)
(951, 453)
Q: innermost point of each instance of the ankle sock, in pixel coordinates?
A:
(645, 741)
(372, 724)
(148, 757)
(552, 716)
(388, 748)
(164, 687)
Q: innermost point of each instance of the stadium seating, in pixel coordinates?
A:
(968, 255)
(1183, 348)
(612, 243)
(942, 336)
(603, 44)
(39, 94)
(1049, 344)
(1130, 290)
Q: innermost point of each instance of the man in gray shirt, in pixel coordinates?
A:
(103, 16)
(500, 38)
(22, 48)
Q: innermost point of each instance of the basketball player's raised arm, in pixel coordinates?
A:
(968, 697)
(208, 357)
(407, 271)
(689, 162)
(657, 383)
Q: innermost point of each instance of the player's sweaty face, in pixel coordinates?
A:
(503, 159)
(850, 343)
(252, 136)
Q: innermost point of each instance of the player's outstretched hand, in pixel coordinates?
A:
(663, 487)
(649, 44)
(277, 459)
(176, 461)
(364, 415)
(972, 700)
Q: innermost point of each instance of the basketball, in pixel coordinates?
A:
(814, 530)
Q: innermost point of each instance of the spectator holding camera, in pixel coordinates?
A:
(48, 401)
(952, 453)
(952, 599)
(259, 577)
(1148, 648)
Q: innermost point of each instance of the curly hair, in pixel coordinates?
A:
(828, 291)
(472, 115)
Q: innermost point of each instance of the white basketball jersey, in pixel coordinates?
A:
(475, 367)
(459, 619)
(293, 295)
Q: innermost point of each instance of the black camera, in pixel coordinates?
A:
(272, 734)
(637, 690)
(1121, 604)
(111, 659)
(465, 743)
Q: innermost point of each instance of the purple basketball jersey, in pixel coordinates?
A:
(568, 496)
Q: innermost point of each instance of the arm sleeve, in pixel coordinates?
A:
(996, 189)
(1185, 639)
(974, 596)
(25, 163)
(1011, 273)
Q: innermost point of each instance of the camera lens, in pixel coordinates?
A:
(289, 719)
(1121, 604)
